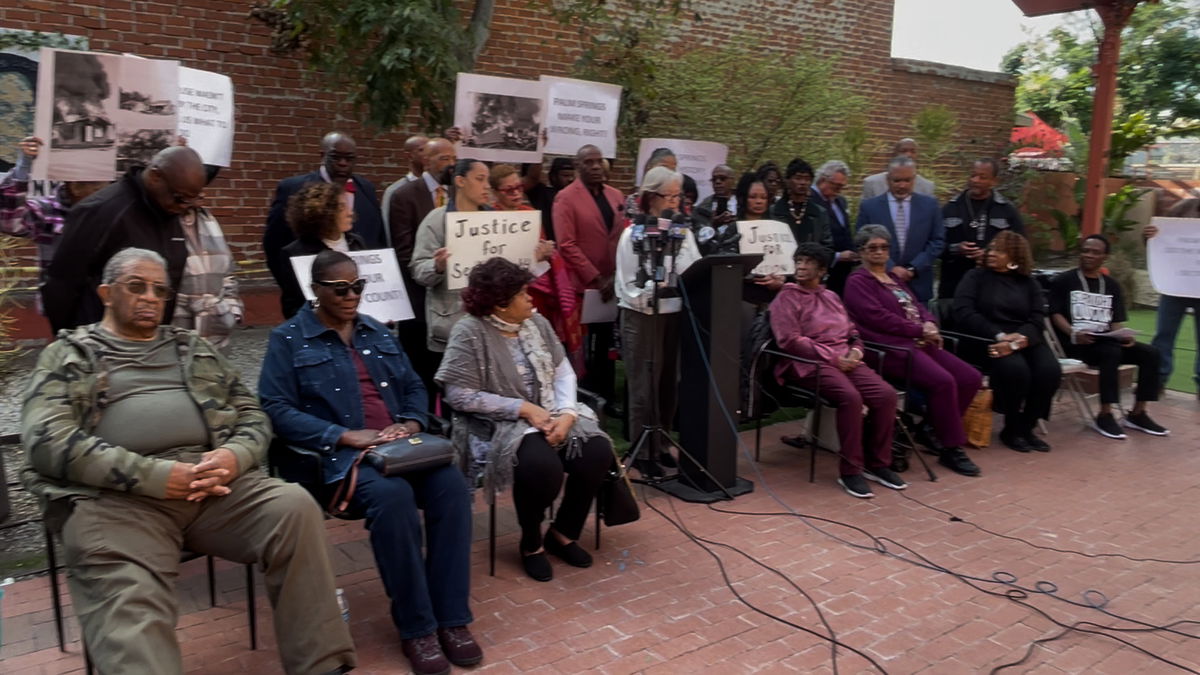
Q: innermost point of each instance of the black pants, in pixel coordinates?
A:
(537, 477)
(1023, 385)
(600, 377)
(1107, 356)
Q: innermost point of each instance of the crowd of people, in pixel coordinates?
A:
(141, 439)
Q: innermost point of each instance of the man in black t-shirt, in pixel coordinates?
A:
(1087, 309)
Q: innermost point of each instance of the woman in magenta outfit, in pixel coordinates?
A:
(886, 310)
(810, 321)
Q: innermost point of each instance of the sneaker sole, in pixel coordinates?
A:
(852, 493)
(1108, 434)
(877, 479)
(1130, 425)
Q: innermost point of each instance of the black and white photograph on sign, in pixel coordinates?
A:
(505, 123)
(502, 118)
(138, 146)
(83, 130)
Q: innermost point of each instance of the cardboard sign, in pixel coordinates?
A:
(206, 114)
(771, 238)
(1173, 257)
(694, 158)
(580, 113)
(384, 299)
(475, 236)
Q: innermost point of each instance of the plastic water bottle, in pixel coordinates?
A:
(343, 605)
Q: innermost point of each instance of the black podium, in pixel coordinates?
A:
(713, 291)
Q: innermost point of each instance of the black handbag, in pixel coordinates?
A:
(616, 501)
(416, 452)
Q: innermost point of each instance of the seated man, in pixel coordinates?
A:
(1085, 305)
(139, 442)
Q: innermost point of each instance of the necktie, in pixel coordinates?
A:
(348, 195)
(441, 196)
(901, 228)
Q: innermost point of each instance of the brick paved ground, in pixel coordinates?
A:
(655, 602)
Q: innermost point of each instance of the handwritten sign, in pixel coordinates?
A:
(475, 236)
(206, 114)
(384, 298)
(1173, 257)
(771, 238)
(693, 158)
(580, 113)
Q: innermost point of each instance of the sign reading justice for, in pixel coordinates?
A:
(475, 236)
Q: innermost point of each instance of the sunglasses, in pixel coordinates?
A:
(342, 288)
(139, 287)
(877, 247)
(514, 190)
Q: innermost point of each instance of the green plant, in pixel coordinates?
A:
(934, 128)
(10, 278)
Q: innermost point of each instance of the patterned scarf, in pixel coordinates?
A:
(535, 349)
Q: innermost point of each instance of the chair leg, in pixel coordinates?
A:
(757, 437)
(598, 522)
(492, 538)
(212, 581)
(815, 442)
(54, 597)
(251, 611)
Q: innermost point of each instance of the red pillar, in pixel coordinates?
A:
(1115, 15)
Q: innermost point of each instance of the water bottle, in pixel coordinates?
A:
(343, 605)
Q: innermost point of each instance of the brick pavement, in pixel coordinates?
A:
(655, 602)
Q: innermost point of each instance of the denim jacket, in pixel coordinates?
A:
(309, 385)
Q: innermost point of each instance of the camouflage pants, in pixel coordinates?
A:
(122, 556)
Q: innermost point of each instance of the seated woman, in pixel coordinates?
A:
(504, 367)
(810, 321)
(321, 218)
(1002, 302)
(336, 381)
(886, 311)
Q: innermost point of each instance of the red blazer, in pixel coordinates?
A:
(587, 244)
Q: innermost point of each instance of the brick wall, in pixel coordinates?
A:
(282, 113)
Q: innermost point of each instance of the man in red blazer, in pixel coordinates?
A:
(588, 219)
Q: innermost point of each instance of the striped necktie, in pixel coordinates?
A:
(901, 228)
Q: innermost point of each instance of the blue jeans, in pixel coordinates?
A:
(431, 592)
(1171, 310)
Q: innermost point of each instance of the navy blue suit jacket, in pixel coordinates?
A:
(368, 220)
(926, 237)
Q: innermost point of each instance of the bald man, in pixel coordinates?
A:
(339, 154)
(141, 210)
(414, 152)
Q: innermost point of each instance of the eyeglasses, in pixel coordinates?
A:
(342, 288)
(871, 248)
(139, 287)
(513, 190)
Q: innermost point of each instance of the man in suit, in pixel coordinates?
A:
(338, 156)
(588, 220)
(414, 151)
(877, 184)
(832, 177)
(409, 205)
(915, 223)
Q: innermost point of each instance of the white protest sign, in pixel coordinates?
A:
(694, 158)
(206, 114)
(579, 113)
(475, 236)
(384, 298)
(501, 118)
(1173, 257)
(771, 238)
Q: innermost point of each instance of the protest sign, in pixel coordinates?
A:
(771, 238)
(475, 236)
(1173, 257)
(579, 113)
(206, 114)
(695, 158)
(101, 114)
(384, 298)
(501, 118)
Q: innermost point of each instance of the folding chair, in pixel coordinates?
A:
(1075, 375)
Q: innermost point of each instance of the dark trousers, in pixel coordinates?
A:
(1024, 384)
(600, 374)
(427, 592)
(537, 477)
(640, 350)
(948, 385)
(849, 392)
(1107, 356)
(1171, 312)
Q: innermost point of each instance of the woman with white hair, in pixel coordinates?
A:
(649, 342)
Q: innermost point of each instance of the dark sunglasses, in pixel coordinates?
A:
(341, 288)
(877, 247)
(139, 287)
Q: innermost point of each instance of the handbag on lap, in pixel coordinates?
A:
(416, 452)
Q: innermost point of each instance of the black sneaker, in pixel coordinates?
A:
(927, 437)
(855, 486)
(537, 566)
(1036, 443)
(1014, 441)
(1142, 422)
(885, 477)
(957, 461)
(1108, 427)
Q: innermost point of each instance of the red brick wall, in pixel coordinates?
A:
(281, 113)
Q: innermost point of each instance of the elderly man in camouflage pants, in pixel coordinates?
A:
(140, 441)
